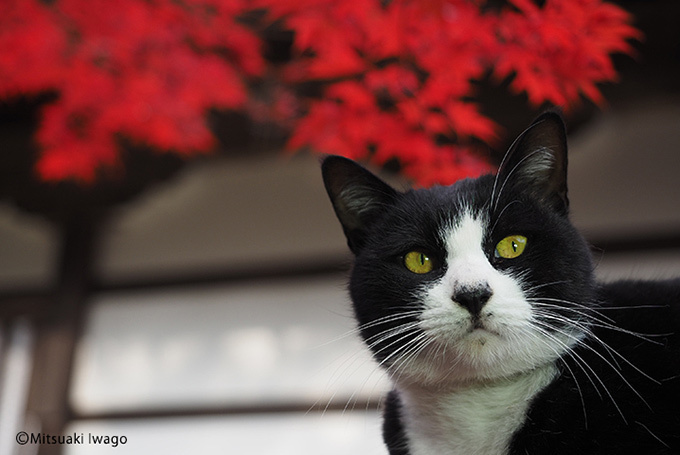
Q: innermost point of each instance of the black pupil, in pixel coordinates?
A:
(514, 246)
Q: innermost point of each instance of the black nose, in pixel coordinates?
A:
(473, 298)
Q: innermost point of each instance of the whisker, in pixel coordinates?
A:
(501, 166)
(632, 307)
(371, 324)
(582, 364)
(617, 371)
(512, 171)
(416, 346)
(383, 336)
(586, 313)
(400, 333)
(652, 434)
(621, 356)
(566, 365)
(597, 322)
(371, 342)
(585, 329)
(501, 214)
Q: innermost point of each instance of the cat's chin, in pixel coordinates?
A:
(480, 355)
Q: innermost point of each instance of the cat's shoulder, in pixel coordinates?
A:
(646, 304)
(641, 289)
(620, 386)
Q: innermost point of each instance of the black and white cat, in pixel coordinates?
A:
(480, 302)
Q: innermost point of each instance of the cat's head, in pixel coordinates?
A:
(482, 279)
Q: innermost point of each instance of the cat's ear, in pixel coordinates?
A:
(536, 163)
(357, 195)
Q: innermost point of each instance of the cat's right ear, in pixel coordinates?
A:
(536, 163)
(357, 195)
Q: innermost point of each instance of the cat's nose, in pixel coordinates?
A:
(473, 298)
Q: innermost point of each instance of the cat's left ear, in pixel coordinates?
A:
(536, 163)
(358, 197)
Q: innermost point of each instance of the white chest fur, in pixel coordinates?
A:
(477, 419)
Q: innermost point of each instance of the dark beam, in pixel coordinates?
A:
(283, 408)
(58, 332)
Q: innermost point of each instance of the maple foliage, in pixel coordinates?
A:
(398, 77)
(144, 70)
(418, 60)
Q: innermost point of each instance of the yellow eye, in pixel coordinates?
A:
(418, 262)
(511, 246)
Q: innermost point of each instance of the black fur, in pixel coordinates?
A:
(600, 403)
(393, 430)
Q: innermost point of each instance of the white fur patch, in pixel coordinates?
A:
(471, 419)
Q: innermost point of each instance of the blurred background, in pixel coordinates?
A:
(196, 303)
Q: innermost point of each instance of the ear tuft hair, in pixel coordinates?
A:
(357, 195)
(536, 163)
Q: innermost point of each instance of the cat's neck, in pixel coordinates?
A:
(469, 418)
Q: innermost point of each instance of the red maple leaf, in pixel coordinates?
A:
(560, 51)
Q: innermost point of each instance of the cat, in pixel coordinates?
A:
(479, 300)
